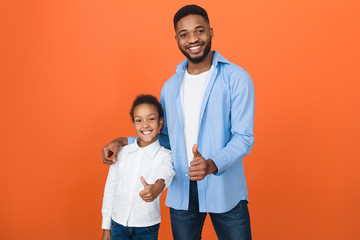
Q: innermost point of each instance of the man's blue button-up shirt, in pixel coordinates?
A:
(225, 135)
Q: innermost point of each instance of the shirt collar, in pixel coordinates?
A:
(216, 59)
(149, 150)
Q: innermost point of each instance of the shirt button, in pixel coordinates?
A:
(186, 174)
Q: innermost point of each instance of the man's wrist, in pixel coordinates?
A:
(212, 166)
(122, 141)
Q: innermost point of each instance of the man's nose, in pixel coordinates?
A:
(193, 37)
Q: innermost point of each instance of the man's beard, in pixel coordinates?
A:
(197, 59)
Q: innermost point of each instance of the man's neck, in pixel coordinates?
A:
(203, 66)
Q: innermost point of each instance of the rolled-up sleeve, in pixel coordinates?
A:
(166, 170)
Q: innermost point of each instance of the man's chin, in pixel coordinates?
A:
(191, 59)
(196, 60)
(200, 58)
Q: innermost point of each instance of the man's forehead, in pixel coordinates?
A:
(191, 21)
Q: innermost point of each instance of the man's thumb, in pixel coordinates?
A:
(195, 151)
(144, 183)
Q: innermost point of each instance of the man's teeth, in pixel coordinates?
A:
(194, 48)
(146, 132)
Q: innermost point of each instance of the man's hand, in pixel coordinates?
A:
(151, 191)
(199, 166)
(110, 151)
(106, 234)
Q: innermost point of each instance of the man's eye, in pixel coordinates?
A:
(183, 35)
(200, 31)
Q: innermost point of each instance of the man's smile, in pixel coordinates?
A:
(194, 49)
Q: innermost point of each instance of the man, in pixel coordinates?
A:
(208, 125)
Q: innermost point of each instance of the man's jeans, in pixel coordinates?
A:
(119, 232)
(232, 225)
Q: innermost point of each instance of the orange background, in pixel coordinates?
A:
(71, 68)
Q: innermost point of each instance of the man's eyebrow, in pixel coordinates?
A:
(184, 30)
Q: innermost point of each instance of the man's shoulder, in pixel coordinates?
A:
(231, 72)
(232, 68)
(225, 65)
(171, 85)
(172, 80)
(177, 76)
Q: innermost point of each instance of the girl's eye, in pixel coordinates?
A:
(137, 121)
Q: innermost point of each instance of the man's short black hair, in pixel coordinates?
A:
(149, 99)
(188, 10)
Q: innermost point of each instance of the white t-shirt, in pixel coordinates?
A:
(193, 90)
(122, 202)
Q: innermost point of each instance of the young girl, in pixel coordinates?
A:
(131, 204)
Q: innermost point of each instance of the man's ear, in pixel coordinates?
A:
(211, 33)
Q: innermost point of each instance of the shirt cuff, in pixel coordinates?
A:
(221, 163)
(167, 176)
(106, 223)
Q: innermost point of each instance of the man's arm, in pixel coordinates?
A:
(242, 122)
(110, 151)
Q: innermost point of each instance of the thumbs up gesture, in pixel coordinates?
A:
(199, 166)
(151, 191)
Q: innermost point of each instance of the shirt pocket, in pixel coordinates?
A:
(218, 105)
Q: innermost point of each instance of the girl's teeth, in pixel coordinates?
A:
(147, 132)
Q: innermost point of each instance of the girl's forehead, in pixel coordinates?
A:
(145, 108)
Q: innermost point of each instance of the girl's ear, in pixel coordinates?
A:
(161, 123)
